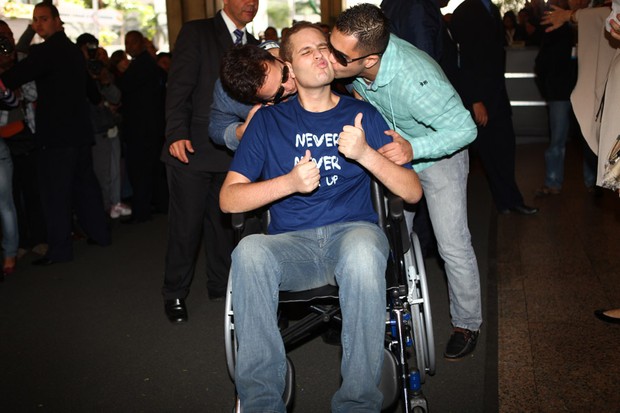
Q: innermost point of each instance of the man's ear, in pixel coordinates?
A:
(291, 72)
(371, 61)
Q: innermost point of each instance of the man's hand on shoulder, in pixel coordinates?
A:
(180, 148)
(352, 140)
(399, 150)
(305, 175)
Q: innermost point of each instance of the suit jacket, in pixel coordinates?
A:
(556, 70)
(194, 70)
(419, 22)
(142, 88)
(58, 67)
(482, 57)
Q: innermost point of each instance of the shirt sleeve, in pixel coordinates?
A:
(250, 156)
(226, 115)
(449, 125)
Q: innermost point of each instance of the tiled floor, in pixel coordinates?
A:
(554, 269)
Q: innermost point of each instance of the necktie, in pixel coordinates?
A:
(239, 36)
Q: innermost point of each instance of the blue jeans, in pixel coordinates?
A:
(445, 188)
(8, 216)
(559, 124)
(351, 255)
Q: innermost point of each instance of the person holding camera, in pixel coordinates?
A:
(17, 127)
(9, 126)
(106, 120)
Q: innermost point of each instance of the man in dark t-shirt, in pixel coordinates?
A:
(311, 159)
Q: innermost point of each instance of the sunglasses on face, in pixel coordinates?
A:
(277, 98)
(343, 60)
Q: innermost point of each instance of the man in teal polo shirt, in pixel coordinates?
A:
(421, 106)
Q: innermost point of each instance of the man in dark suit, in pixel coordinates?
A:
(142, 88)
(64, 135)
(196, 167)
(478, 29)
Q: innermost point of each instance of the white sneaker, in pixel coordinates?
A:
(120, 210)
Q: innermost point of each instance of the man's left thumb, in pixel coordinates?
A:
(358, 120)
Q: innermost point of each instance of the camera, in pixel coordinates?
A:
(93, 65)
(6, 46)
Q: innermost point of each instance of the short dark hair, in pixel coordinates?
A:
(243, 71)
(286, 52)
(86, 38)
(368, 24)
(53, 10)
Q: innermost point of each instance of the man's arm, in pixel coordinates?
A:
(400, 181)
(229, 118)
(26, 70)
(239, 194)
(182, 80)
(450, 127)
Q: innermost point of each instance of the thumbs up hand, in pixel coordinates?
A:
(305, 174)
(352, 141)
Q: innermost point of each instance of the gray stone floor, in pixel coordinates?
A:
(554, 270)
(91, 336)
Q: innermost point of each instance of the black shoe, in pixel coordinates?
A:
(520, 209)
(44, 261)
(176, 310)
(600, 314)
(461, 343)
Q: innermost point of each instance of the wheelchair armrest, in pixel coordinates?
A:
(396, 207)
(396, 210)
(238, 221)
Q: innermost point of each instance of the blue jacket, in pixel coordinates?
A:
(226, 115)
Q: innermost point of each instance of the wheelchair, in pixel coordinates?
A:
(409, 351)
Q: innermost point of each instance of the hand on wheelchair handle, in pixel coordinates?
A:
(306, 175)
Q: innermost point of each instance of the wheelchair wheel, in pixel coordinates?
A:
(230, 340)
(421, 318)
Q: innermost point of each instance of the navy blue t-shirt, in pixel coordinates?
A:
(277, 138)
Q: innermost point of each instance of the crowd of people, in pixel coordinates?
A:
(93, 140)
(219, 127)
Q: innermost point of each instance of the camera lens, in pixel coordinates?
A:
(6, 46)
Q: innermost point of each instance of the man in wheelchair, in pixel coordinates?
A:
(311, 160)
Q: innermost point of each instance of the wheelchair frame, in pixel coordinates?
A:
(409, 339)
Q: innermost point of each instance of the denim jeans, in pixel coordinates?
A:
(590, 165)
(8, 216)
(445, 188)
(559, 124)
(351, 255)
